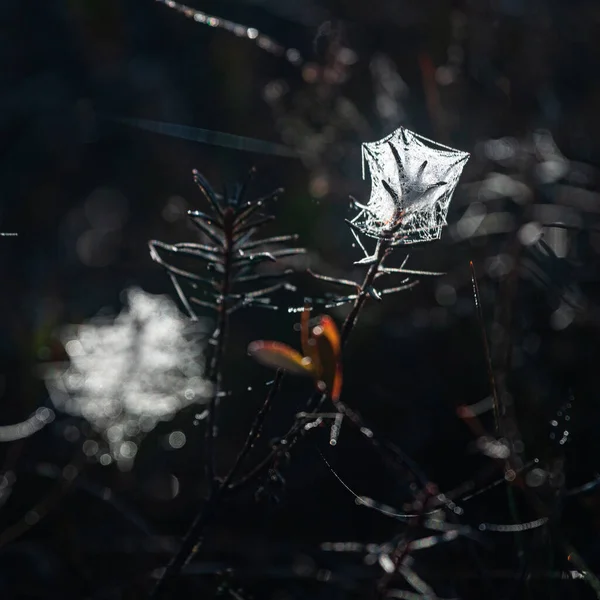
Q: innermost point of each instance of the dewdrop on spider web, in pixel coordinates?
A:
(412, 182)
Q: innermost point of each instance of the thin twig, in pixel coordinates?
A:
(380, 253)
(194, 537)
(256, 428)
(218, 339)
(486, 348)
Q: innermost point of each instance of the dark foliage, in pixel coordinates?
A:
(462, 456)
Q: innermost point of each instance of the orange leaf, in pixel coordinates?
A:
(309, 344)
(328, 340)
(336, 386)
(330, 331)
(280, 356)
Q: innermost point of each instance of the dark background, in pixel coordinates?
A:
(463, 73)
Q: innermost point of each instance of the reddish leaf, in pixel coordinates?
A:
(280, 356)
(329, 346)
(309, 345)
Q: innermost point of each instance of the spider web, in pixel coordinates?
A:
(412, 182)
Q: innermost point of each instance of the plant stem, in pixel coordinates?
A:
(292, 436)
(195, 535)
(218, 339)
(400, 554)
(255, 430)
(381, 252)
(192, 538)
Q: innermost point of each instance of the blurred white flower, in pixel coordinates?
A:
(130, 372)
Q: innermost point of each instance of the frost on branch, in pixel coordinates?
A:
(412, 182)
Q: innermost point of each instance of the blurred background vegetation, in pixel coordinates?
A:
(514, 83)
